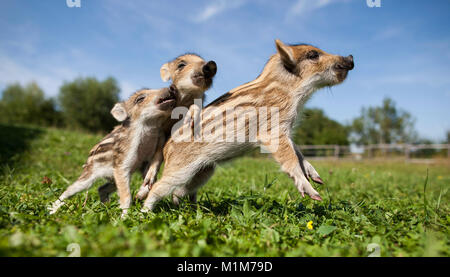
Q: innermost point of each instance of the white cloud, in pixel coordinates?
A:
(127, 88)
(23, 37)
(125, 16)
(215, 8)
(11, 71)
(388, 33)
(377, 81)
(307, 6)
(49, 77)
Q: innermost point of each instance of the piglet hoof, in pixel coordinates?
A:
(124, 214)
(142, 193)
(147, 208)
(55, 206)
(316, 197)
(317, 180)
(306, 188)
(312, 173)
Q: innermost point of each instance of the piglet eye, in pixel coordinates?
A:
(139, 99)
(313, 55)
(181, 65)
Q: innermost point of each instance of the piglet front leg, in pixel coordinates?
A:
(312, 173)
(144, 189)
(309, 170)
(286, 154)
(152, 172)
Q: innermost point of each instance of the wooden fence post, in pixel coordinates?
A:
(407, 151)
(336, 152)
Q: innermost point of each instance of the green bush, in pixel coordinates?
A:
(316, 128)
(383, 124)
(28, 105)
(86, 103)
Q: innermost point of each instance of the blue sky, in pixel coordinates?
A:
(401, 50)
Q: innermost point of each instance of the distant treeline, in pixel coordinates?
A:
(85, 104)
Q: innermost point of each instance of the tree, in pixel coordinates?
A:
(86, 103)
(384, 125)
(317, 128)
(28, 105)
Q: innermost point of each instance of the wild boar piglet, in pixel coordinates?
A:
(288, 79)
(129, 145)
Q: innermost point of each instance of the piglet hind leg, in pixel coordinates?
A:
(160, 190)
(84, 182)
(174, 178)
(190, 190)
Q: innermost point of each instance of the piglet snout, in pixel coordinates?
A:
(209, 69)
(173, 90)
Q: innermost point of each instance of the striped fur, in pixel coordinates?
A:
(287, 81)
(138, 142)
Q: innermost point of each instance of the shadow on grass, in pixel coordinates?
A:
(220, 208)
(14, 140)
(226, 204)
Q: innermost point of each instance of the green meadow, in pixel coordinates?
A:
(248, 208)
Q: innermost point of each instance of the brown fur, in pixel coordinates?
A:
(123, 150)
(137, 143)
(287, 81)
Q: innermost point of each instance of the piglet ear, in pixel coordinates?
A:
(119, 112)
(165, 72)
(287, 57)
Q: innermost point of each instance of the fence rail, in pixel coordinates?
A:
(406, 151)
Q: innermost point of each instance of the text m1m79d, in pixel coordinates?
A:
(246, 266)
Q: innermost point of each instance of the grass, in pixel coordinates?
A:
(249, 208)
